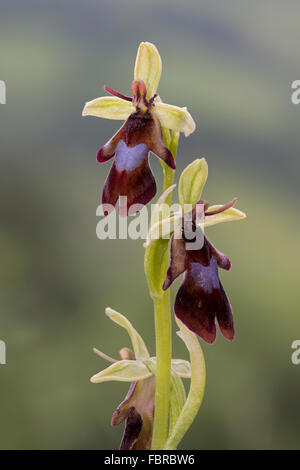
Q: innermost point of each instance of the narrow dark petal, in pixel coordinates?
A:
(223, 208)
(123, 409)
(117, 93)
(133, 428)
(106, 153)
(109, 149)
(177, 260)
(222, 260)
(163, 153)
(157, 146)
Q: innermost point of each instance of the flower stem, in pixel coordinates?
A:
(163, 369)
(163, 328)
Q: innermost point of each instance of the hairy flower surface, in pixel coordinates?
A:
(145, 115)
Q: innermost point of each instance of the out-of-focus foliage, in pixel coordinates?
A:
(231, 63)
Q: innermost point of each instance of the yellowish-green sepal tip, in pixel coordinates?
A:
(148, 67)
(108, 107)
(175, 118)
(139, 347)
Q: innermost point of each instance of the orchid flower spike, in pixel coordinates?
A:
(136, 366)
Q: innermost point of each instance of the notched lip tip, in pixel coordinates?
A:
(228, 266)
(229, 338)
(208, 341)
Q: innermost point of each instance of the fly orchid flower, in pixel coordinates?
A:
(201, 298)
(145, 115)
(137, 409)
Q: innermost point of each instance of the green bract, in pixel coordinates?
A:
(192, 181)
(196, 392)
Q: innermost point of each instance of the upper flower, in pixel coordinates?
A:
(145, 115)
(136, 366)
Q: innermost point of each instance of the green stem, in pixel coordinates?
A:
(163, 370)
(163, 325)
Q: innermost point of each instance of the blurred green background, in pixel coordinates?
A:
(232, 63)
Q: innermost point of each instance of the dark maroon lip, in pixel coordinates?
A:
(201, 298)
(130, 174)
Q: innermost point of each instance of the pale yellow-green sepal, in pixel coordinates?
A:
(139, 347)
(175, 118)
(148, 67)
(192, 181)
(123, 371)
(182, 368)
(108, 107)
(226, 216)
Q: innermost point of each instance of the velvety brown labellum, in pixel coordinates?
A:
(130, 174)
(201, 298)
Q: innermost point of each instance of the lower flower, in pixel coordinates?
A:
(138, 411)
